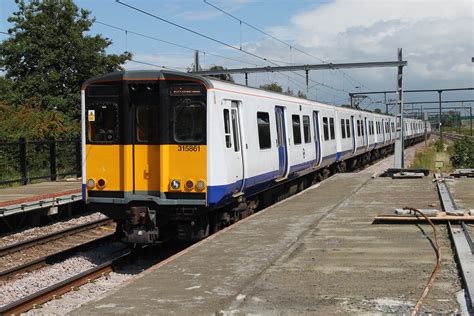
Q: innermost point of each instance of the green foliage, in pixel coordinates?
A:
(33, 122)
(439, 145)
(377, 110)
(225, 77)
(301, 94)
(46, 60)
(275, 87)
(425, 159)
(462, 155)
(451, 119)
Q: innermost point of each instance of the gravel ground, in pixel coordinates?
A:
(52, 247)
(39, 279)
(99, 288)
(384, 164)
(44, 230)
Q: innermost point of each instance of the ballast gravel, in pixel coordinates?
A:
(48, 229)
(37, 280)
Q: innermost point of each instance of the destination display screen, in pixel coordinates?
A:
(177, 90)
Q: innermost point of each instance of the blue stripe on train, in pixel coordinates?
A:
(222, 194)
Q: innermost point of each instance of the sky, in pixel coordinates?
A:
(437, 38)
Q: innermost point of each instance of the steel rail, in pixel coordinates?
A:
(52, 236)
(43, 261)
(31, 301)
(461, 239)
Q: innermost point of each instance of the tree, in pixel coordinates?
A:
(301, 94)
(463, 153)
(275, 87)
(225, 77)
(289, 92)
(377, 110)
(48, 56)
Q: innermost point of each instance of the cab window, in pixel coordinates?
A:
(102, 121)
(188, 124)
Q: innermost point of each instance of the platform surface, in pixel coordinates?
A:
(315, 253)
(38, 191)
(462, 190)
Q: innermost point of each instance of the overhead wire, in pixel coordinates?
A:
(172, 43)
(154, 65)
(281, 41)
(215, 40)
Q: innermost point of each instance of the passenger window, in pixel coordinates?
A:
(147, 126)
(358, 128)
(325, 128)
(104, 125)
(235, 129)
(331, 127)
(263, 122)
(348, 129)
(307, 133)
(228, 141)
(296, 129)
(343, 128)
(188, 124)
(279, 130)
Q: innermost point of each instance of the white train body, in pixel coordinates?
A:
(238, 163)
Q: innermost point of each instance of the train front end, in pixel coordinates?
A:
(144, 153)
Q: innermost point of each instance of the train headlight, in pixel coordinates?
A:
(90, 183)
(175, 184)
(200, 185)
(189, 185)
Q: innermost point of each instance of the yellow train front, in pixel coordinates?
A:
(144, 153)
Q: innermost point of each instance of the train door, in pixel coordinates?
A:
(382, 128)
(317, 141)
(354, 135)
(234, 158)
(145, 151)
(366, 133)
(281, 142)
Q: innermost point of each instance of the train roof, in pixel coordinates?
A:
(144, 75)
(210, 83)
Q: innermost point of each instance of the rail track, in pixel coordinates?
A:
(454, 136)
(42, 240)
(29, 302)
(461, 240)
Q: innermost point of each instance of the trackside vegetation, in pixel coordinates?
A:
(462, 153)
(45, 60)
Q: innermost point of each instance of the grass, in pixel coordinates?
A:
(426, 159)
(464, 130)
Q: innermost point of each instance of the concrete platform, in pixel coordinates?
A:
(462, 190)
(38, 195)
(315, 253)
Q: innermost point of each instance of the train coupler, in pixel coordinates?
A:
(140, 227)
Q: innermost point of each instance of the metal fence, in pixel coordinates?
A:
(24, 161)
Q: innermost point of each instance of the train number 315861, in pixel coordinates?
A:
(189, 148)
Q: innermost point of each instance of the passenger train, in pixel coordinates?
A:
(175, 155)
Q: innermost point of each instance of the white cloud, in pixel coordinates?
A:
(437, 38)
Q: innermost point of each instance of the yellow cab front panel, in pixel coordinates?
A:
(145, 136)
